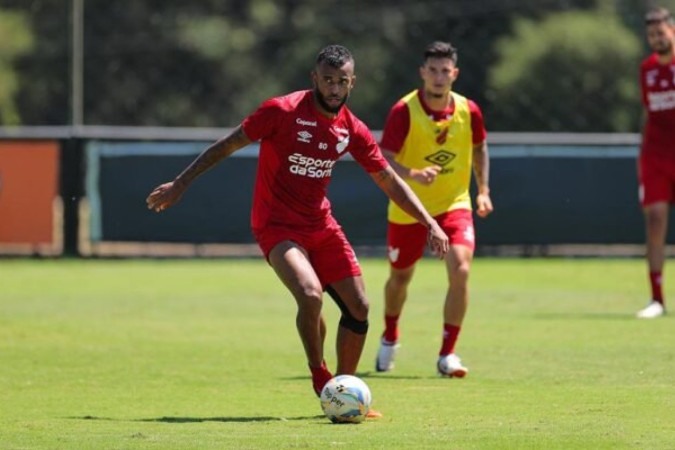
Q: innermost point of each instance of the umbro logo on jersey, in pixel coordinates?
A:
(442, 158)
(304, 136)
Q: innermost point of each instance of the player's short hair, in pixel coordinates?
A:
(658, 15)
(440, 49)
(335, 56)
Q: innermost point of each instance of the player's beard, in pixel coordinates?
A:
(322, 102)
(665, 49)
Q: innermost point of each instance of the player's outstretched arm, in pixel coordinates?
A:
(400, 193)
(168, 194)
(424, 176)
(481, 170)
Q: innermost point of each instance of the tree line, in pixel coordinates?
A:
(532, 65)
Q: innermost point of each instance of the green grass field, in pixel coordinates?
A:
(203, 354)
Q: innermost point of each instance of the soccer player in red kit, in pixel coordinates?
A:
(434, 138)
(302, 135)
(656, 163)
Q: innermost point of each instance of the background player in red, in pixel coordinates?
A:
(656, 163)
(301, 136)
(433, 138)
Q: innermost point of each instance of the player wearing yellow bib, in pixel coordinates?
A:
(434, 138)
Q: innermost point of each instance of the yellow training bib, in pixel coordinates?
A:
(446, 143)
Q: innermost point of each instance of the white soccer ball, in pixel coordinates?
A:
(345, 399)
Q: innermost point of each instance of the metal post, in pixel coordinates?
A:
(72, 172)
(77, 64)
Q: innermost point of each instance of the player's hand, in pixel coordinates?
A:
(483, 205)
(164, 196)
(438, 241)
(425, 176)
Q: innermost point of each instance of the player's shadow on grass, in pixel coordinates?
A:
(586, 316)
(170, 419)
(390, 376)
(368, 374)
(227, 419)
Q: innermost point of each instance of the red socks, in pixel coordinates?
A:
(320, 376)
(390, 329)
(656, 284)
(450, 334)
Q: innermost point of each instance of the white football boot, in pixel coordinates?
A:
(451, 366)
(386, 355)
(652, 310)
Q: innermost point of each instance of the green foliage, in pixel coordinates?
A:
(16, 39)
(211, 62)
(550, 71)
(204, 354)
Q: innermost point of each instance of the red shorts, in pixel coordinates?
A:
(656, 175)
(330, 254)
(406, 243)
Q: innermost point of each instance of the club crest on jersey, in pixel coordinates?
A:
(304, 136)
(469, 234)
(342, 137)
(393, 253)
(442, 135)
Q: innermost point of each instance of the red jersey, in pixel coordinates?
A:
(298, 148)
(398, 123)
(657, 82)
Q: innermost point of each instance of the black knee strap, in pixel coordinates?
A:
(357, 326)
(347, 320)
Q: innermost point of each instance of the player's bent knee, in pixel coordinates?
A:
(351, 323)
(348, 320)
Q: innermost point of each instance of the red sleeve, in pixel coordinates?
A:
(643, 86)
(396, 128)
(366, 151)
(477, 124)
(263, 121)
